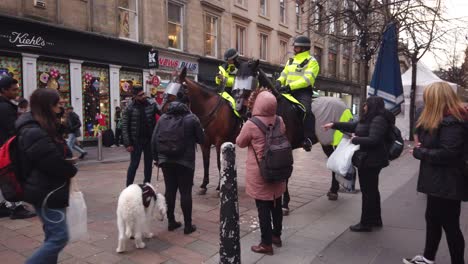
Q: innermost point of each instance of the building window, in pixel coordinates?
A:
(240, 2)
(211, 36)
(283, 51)
(318, 54)
(128, 19)
(175, 25)
(318, 18)
(282, 12)
(240, 39)
(346, 67)
(298, 18)
(332, 63)
(263, 7)
(263, 46)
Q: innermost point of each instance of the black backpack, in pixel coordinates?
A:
(395, 143)
(276, 164)
(171, 138)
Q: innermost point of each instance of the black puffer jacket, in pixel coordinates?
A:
(8, 113)
(131, 121)
(74, 124)
(193, 134)
(442, 160)
(43, 166)
(371, 138)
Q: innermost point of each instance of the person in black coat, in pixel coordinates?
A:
(370, 133)
(442, 131)
(179, 171)
(45, 173)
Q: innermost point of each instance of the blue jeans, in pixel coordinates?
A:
(135, 156)
(71, 142)
(55, 229)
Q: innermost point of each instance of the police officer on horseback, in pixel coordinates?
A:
(227, 71)
(298, 79)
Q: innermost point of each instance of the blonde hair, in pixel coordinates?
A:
(439, 99)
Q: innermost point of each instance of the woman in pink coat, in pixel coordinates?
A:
(267, 195)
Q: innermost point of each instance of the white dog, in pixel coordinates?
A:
(138, 205)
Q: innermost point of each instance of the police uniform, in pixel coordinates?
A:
(228, 71)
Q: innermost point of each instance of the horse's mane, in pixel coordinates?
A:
(253, 97)
(208, 90)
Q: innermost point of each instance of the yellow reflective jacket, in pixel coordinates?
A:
(229, 74)
(300, 72)
(337, 136)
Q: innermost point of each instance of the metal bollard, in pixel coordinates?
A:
(99, 147)
(229, 251)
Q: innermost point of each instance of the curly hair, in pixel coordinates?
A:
(253, 97)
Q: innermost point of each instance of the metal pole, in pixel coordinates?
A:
(229, 251)
(99, 148)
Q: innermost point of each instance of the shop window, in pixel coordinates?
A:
(283, 51)
(55, 76)
(211, 36)
(96, 101)
(298, 18)
(263, 46)
(282, 12)
(11, 66)
(332, 63)
(240, 39)
(175, 22)
(128, 79)
(128, 18)
(264, 7)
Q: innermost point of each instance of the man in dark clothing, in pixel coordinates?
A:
(74, 131)
(138, 122)
(9, 91)
(178, 170)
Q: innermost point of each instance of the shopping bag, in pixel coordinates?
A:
(77, 215)
(340, 160)
(347, 181)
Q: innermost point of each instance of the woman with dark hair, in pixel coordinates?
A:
(45, 172)
(370, 133)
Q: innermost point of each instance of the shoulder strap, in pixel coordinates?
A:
(259, 124)
(304, 62)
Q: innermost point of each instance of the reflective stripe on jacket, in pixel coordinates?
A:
(300, 76)
(229, 74)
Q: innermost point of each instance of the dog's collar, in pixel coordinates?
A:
(147, 194)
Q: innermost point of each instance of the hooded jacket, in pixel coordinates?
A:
(193, 134)
(43, 165)
(252, 137)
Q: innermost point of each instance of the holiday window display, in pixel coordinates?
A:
(127, 81)
(96, 101)
(11, 66)
(56, 76)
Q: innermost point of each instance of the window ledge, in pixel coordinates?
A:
(241, 7)
(129, 39)
(170, 48)
(264, 17)
(283, 25)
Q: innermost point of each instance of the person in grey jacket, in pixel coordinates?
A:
(179, 170)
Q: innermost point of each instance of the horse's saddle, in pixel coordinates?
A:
(294, 101)
(231, 102)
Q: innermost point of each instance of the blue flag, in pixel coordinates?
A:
(386, 81)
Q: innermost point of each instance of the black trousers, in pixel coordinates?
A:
(444, 214)
(369, 181)
(268, 212)
(118, 136)
(286, 198)
(335, 185)
(305, 97)
(135, 158)
(178, 177)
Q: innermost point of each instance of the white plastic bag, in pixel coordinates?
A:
(77, 216)
(340, 160)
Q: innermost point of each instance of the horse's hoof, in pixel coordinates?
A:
(202, 191)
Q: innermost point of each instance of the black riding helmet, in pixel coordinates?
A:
(303, 42)
(231, 54)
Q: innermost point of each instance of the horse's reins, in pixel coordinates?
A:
(207, 119)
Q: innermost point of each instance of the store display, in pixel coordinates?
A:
(11, 66)
(56, 76)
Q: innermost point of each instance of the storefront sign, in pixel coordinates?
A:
(23, 35)
(178, 64)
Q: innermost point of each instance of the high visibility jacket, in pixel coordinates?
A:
(300, 72)
(337, 136)
(229, 72)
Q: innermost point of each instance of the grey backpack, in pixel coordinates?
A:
(276, 164)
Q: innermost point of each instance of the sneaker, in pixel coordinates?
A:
(307, 144)
(82, 156)
(20, 212)
(190, 229)
(417, 260)
(4, 211)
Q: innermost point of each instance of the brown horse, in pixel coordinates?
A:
(217, 118)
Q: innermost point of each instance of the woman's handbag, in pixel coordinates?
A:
(340, 160)
(77, 215)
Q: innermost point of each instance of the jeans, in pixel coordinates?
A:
(135, 158)
(335, 185)
(178, 177)
(71, 142)
(305, 97)
(268, 211)
(444, 214)
(369, 181)
(56, 236)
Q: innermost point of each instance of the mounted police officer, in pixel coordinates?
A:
(298, 79)
(227, 71)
